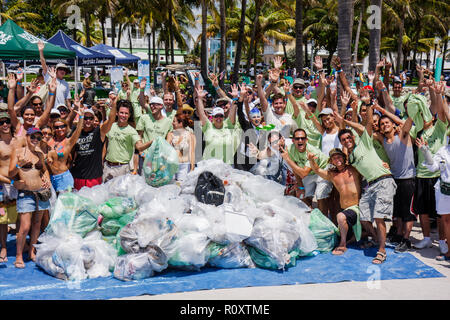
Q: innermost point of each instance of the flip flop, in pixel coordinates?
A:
(3, 259)
(19, 265)
(339, 250)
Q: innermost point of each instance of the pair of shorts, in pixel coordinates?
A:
(317, 186)
(424, 197)
(183, 170)
(27, 203)
(403, 199)
(442, 201)
(80, 183)
(62, 182)
(10, 213)
(111, 172)
(8, 192)
(378, 201)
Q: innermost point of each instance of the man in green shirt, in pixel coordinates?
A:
(377, 201)
(122, 140)
(297, 159)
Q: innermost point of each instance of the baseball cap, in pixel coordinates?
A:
(3, 106)
(187, 107)
(60, 106)
(55, 111)
(156, 100)
(136, 80)
(62, 66)
(311, 100)
(223, 99)
(299, 81)
(255, 112)
(112, 92)
(33, 130)
(368, 88)
(4, 115)
(325, 111)
(397, 79)
(336, 151)
(89, 111)
(217, 110)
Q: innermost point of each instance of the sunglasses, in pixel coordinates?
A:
(36, 137)
(298, 87)
(218, 116)
(63, 111)
(46, 133)
(299, 138)
(186, 112)
(37, 104)
(54, 116)
(59, 127)
(88, 118)
(7, 121)
(221, 105)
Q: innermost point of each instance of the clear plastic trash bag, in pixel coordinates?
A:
(234, 255)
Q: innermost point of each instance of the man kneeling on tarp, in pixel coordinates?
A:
(346, 179)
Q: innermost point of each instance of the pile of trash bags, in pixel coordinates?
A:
(217, 217)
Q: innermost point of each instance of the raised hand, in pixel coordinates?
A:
(277, 62)
(12, 82)
(40, 45)
(311, 156)
(371, 76)
(345, 98)
(258, 79)
(274, 75)
(143, 83)
(336, 63)
(287, 87)
(213, 77)
(52, 85)
(234, 91)
(19, 75)
(253, 149)
(243, 91)
(76, 101)
(318, 63)
(51, 72)
(125, 71)
(339, 119)
(200, 92)
(380, 85)
(33, 85)
(420, 142)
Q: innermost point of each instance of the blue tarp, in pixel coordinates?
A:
(32, 283)
(121, 55)
(85, 56)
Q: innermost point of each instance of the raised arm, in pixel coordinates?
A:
(178, 93)
(288, 94)
(43, 119)
(213, 77)
(324, 174)
(128, 78)
(245, 124)
(74, 137)
(301, 172)
(274, 75)
(439, 89)
(106, 126)
(41, 46)
(342, 78)
(235, 94)
(141, 97)
(11, 98)
(200, 107)
(261, 94)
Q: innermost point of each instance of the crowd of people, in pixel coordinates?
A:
(361, 156)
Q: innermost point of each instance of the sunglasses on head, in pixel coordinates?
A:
(59, 127)
(7, 121)
(299, 138)
(37, 137)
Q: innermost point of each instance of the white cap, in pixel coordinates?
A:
(311, 100)
(325, 111)
(55, 111)
(217, 110)
(156, 100)
(112, 92)
(89, 110)
(136, 80)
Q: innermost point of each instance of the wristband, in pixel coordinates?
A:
(12, 182)
(19, 83)
(288, 93)
(337, 71)
(383, 90)
(142, 90)
(197, 79)
(17, 166)
(81, 117)
(51, 94)
(217, 88)
(274, 82)
(301, 188)
(235, 99)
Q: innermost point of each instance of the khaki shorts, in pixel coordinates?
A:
(378, 201)
(316, 186)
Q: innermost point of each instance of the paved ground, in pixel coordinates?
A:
(433, 288)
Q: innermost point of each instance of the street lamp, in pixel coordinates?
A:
(436, 42)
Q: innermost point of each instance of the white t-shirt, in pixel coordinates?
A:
(283, 123)
(330, 141)
(62, 90)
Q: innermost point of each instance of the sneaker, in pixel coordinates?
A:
(403, 246)
(443, 248)
(392, 232)
(424, 243)
(396, 239)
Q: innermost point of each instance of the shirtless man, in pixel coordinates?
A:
(346, 179)
(9, 193)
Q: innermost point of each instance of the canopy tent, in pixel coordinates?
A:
(18, 44)
(121, 55)
(84, 56)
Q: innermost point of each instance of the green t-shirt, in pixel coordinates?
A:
(220, 143)
(153, 128)
(436, 138)
(290, 108)
(121, 143)
(122, 95)
(380, 151)
(301, 158)
(398, 102)
(366, 160)
(314, 136)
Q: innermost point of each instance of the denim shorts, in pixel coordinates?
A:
(63, 181)
(27, 203)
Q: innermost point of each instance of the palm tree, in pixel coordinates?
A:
(223, 40)
(345, 26)
(203, 55)
(240, 40)
(299, 35)
(251, 50)
(20, 12)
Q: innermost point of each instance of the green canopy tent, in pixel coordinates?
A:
(18, 44)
